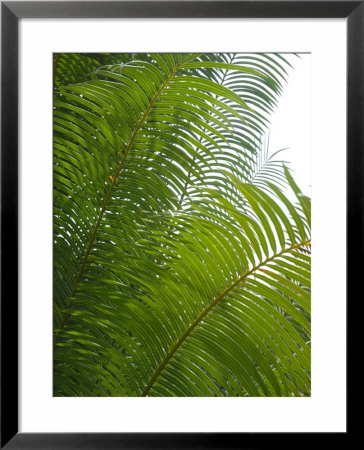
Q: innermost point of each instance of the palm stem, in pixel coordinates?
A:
(208, 309)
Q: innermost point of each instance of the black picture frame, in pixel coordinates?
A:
(11, 12)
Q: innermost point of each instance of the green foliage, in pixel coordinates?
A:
(76, 67)
(181, 268)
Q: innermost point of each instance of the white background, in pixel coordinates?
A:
(325, 410)
(290, 126)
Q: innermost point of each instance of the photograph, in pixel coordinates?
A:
(181, 212)
(181, 224)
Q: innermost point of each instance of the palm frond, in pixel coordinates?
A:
(171, 275)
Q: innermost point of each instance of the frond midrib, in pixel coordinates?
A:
(200, 139)
(204, 313)
(110, 190)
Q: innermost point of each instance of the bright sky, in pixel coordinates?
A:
(291, 122)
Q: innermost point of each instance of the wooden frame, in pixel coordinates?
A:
(11, 13)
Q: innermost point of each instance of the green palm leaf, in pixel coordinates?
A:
(171, 275)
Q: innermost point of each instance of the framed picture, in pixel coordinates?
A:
(155, 225)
